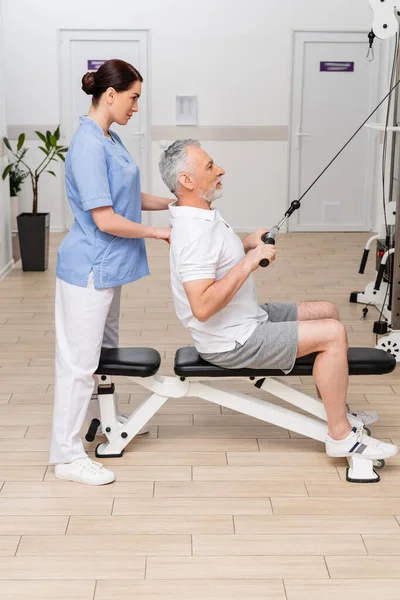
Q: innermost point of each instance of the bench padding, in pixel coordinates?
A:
(362, 361)
(131, 362)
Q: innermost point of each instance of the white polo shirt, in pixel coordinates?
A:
(203, 246)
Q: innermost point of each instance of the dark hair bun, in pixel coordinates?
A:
(114, 73)
(88, 83)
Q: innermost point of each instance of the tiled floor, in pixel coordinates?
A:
(211, 504)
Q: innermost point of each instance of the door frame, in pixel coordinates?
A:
(299, 36)
(65, 37)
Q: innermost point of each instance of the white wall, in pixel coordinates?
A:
(6, 259)
(234, 54)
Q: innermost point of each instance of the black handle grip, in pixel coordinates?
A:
(264, 237)
(363, 262)
(267, 240)
(379, 277)
(91, 432)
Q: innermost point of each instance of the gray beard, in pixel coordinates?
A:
(212, 196)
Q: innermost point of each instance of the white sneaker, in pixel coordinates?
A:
(366, 416)
(122, 418)
(358, 443)
(84, 470)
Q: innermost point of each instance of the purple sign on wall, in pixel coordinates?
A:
(337, 66)
(93, 65)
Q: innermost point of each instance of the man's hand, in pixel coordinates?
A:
(251, 241)
(255, 256)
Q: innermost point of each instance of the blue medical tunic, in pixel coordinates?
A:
(100, 172)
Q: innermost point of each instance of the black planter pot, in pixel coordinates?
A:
(33, 234)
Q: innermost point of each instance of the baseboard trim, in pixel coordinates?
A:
(5, 271)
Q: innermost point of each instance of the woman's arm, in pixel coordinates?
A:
(150, 202)
(109, 222)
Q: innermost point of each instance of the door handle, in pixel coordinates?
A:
(299, 134)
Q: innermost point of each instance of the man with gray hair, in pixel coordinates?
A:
(215, 297)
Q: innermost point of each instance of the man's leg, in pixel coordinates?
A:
(328, 338)
(313, 311)
(275, 343)
(306, 311)
(326, 310)
(331, 372)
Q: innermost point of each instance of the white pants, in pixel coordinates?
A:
(86, 320)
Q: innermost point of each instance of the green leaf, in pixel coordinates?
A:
(51, 173)
(53, 141)
(7, 143)
(42, 137)
(61, 156)
(57, 133)
(43, 150)
(63, 150)
(48, 134)
(21, 141)
(7, 171)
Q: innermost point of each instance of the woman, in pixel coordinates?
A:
(103, 250)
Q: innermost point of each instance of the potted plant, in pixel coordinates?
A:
(34, 227)
(16, 179)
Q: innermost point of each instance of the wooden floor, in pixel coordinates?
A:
(211, 504)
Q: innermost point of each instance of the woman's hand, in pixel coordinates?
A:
(162, 233)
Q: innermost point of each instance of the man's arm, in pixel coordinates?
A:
(208, 296)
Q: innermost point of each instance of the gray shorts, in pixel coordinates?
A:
(273, 344)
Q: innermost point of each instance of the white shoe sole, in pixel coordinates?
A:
(376, 456)
(77, 479)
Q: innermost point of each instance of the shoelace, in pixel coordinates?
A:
(92, 466)
(363, 438)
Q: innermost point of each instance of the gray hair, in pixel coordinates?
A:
(173, 162)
